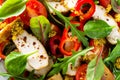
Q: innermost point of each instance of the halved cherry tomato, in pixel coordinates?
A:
(104, 3)
(81, 72)
(33, 8)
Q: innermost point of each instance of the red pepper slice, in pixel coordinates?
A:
(85, 13)
(54, 46)
(68, 43)
(2, 56)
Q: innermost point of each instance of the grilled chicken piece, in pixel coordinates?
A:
(26, 43)
(63, 6)
(100, 13)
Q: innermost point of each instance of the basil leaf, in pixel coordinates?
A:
(40, 26)
(15, 62)
(97, 29)
(12, 8)
(95, 70)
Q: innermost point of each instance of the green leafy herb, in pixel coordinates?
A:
(116, 73)
(74, 30)
(116, 5)
(12, 8)
(97, 29)
(40, 26)
(95, 69)
(114, 54)
(15, 62)
(63, 65)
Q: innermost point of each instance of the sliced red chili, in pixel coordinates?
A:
(2, 56)
(67, 43)
(84, 9)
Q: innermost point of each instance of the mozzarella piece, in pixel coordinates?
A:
(100, 13)
(27, 43)
(63, 6)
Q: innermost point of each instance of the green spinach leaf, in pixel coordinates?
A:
(15, 62)
(12, 8)
(95, 69)
(63, 64)
(40, 26)
(97, 29)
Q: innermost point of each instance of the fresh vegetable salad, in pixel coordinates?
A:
(60, 39)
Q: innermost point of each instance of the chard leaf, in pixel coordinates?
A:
(74, 30)
(62, 66)
(97, 29)
(12, 8)
(95, 69)
(40, 26)
(116, 5)
(114, 54)
(15, 62)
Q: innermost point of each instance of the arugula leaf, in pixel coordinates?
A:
(12, 8)
(74, 30)
(95, 69)
(40, 26)
(15, 62)
(114, 54)
(63, 65)
(116, 73)
(97, 29)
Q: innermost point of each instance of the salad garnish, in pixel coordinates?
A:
(60, 39)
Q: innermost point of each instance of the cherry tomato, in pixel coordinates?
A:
(81, 72)
(9, 20)
(104, 3)
(33, 8)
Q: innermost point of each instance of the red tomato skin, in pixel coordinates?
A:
(104, 3)
(37, 7)
(1, 1)
(33, 8)
(81, 72)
